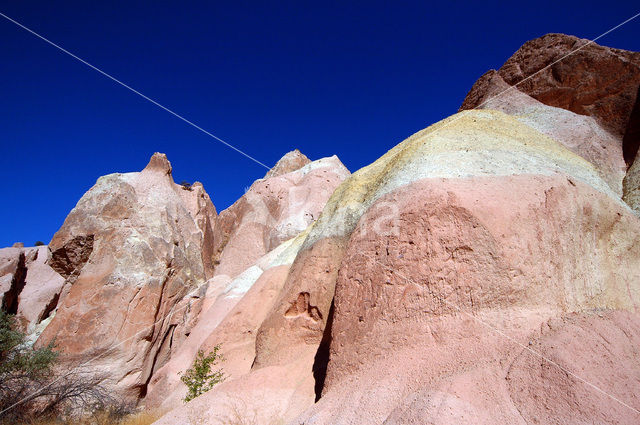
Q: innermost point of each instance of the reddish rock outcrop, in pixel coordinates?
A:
(130, 250)
(598, 81)
(599, 85)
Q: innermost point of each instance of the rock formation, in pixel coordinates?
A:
(273, 210)
(258, 238)
(587, 100)
(452, 280)
(130, 250)
(29, 288)
(484, 271)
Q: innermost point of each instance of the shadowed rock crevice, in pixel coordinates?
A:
(321, 359)
(160, 357)
(631, 139)
(49, 308)
(69, 259)
(10, 299)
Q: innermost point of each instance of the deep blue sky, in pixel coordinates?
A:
(345, 78)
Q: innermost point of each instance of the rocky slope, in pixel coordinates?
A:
(453, 280)
(484, 271)
(587, 100)
(261, 234)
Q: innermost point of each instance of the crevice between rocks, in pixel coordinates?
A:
(50, 307)
(631, 138)
(321, 359)
(10, 298)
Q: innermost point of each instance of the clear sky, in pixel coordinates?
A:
(345, 78)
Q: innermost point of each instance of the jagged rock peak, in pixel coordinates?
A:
(291, 161)
(159, 163)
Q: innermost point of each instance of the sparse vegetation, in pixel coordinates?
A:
(200, 378)
(186, 185)
(34, 387)
(107, 417)
(39, 243)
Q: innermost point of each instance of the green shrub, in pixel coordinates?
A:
(199, 378)
(34, 386)
(17, 357)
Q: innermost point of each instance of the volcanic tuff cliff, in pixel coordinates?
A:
(485, 271)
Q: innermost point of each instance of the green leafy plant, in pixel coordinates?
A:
(17, 357)
(200, 378)
(35, 386)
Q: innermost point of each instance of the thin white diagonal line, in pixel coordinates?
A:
(510, 338)
(463, 113)
(558, 60)
(229, 145)
(265, 166)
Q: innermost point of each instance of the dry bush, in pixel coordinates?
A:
(240, 414)
(34, 387)
(103, 417)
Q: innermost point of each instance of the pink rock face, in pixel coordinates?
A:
(199, 205)
(29, 288)
(422, 307)
(130, 250)
(291, 161)
(273, 210)
(12, 276)
(580, 133)
(246, 235)
(43, 286)
(442, 259)
(236, 330)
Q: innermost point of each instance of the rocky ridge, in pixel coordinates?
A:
(483, 271)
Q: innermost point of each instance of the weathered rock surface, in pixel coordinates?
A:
(497, 230)
(130, 250)
(266, 222)
(484, 271)
(579, 133)
(478, 227)
(291, 161)
(29, 288)
(597, 81)
(231, 316)
(273, 210)
(598, 85)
